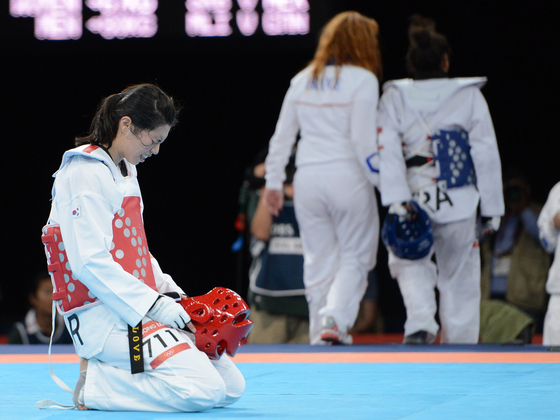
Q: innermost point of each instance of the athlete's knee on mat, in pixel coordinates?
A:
(233, 393)
(218, 396)
(207, 396)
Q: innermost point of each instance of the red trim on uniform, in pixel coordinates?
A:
(59, 295)
(151, 327)
(169, 353)
(379, 130)
(380, 147)
(91, 148)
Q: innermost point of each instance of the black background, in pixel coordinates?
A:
(232, 89)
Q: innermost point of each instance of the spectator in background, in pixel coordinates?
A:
(278, 306)
(514, 264)
(36, 328)
(333, 105)
(549, 228)
(277, 294)
(248, 200)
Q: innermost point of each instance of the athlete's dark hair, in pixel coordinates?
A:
(418, 23)
(147, 106)
(427, 47)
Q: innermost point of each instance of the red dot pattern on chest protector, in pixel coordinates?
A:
(68, 291)
(130, 247)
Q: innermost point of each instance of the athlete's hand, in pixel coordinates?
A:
(403, 210)
(490, 225)
(168, 312)
(274, 201)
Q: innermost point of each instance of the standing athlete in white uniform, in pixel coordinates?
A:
(437, 146)
(549, 230)
(106, 280)
(332, 104)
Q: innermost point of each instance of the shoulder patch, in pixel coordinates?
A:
(90, 148)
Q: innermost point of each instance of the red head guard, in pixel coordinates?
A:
(220, 317)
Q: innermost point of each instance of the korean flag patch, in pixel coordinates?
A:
(77, 212)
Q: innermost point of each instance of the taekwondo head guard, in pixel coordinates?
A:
(220, 317)
(409, 237)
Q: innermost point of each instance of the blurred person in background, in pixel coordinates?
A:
(514, 263)
(277, 294)
(332, 104)
(439, 161)
(36, 328)
(549, 229)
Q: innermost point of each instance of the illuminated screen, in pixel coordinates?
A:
(63, 19)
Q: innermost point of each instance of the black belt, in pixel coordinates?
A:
(135, 349)
(418, 161)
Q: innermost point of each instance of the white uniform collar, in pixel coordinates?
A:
(95, 152)
(429, 94)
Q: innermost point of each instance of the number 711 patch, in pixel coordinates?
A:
(165, 343)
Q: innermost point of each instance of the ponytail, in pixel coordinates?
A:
(104, 125)
(147, 106)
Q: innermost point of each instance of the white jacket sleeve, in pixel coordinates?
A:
(88, 238)
(392, 167)
(281, 143)
(486, 158)
(548, 234)
(363, 127)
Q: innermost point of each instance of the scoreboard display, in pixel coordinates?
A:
(56, 20)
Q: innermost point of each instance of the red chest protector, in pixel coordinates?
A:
(129, 248)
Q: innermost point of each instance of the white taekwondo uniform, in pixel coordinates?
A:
(411, 114)
(99, 212)
(334, 196)
(549, 239)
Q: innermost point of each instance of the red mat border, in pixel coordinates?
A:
(377, 357)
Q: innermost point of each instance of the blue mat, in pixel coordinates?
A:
(378, 391)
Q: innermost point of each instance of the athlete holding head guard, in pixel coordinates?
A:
(437, 147)
(136, 345)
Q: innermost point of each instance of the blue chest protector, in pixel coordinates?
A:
(453, 153)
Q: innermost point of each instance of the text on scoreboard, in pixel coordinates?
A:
(63, 19)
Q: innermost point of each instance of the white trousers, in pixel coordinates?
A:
(177, 377)
(457, 278)
(551, 328)
(336, 210)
